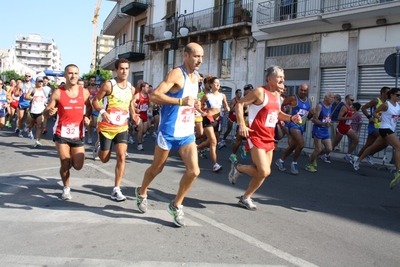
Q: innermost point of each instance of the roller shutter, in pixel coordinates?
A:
(334, 80)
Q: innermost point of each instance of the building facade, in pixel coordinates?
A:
(332, 45)
(222, 30)
(37, 52)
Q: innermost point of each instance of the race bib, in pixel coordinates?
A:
(348, 122)
(395, 118)
(326, 119)
(303, 112)
(118, 117)
(143, 107)
(70, 131)
(186, 116)
(272, 119)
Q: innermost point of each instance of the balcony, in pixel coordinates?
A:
(134, 8)
(115, 21)
(275, 16)
(208, 25)
(133, 51)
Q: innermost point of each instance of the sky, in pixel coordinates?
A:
(68, 22)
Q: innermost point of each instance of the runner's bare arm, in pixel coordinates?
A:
(172, 83)
(51, 108)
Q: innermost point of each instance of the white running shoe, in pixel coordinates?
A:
(66, 193)
(117, 195)
(37, 143)
(217, 167)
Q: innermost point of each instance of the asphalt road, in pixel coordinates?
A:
(335, 217)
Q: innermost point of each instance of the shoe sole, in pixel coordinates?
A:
(244, 206)
(218, 169)
(118, 200)
(282, 170)
(137, 203)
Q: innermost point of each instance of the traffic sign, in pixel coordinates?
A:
(390, 65)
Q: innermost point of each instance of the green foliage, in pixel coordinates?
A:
(11, 74)
(104, 74)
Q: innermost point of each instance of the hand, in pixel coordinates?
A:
(312, 111)
(296, 118)
(188, 101)
(244, 131)
(136, 119)
(52, 111)
(106, 117)
(86, 121)
(371, 119)
(328, 124)
(197, 104)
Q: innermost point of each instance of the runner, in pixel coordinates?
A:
(68, 102)
(38, 99)
(113, 124)
(264, 113)
(177, 94)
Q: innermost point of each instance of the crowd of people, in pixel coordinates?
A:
(187, 110)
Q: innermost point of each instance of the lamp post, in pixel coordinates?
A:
(183, 31)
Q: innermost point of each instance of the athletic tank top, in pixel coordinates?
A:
(175, 120)
(117, 106)
(377, 123)
(348, 114)
(69, 123)
(3, 99)
(38, 102)
(214, 101)
(25, 89)
(143, 103)
(325, 115)
(389, 118)
(302, 108)
(263, 118)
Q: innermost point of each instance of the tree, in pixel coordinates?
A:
(11, 74)
(104, 74)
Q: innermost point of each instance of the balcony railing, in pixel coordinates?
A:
(273, 11)
(131, 46)
(205, 20)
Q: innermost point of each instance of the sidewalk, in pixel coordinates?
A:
(339, 156)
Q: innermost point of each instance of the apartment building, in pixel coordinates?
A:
(335, 45)
(37, 52)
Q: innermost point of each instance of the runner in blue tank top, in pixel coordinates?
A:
(299, 104)
(320, 132)
(178, 96)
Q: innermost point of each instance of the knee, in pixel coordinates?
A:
(65, 164)
(328, 150)
(264, 172)
(193, 173)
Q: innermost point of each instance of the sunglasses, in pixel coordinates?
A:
(27, 76)
(351, 100)
(398, 95)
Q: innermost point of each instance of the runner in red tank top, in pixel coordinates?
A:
(264, 113)
(344, 127)
(69, 102)
(142, 101)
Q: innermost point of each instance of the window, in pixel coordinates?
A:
(123, 38)
(168, 58)
(290, 49)
(226, 59)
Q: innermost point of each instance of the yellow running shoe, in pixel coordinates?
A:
(396, 180)
(310, 167)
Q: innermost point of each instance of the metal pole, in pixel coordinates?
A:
(175, 41)
(397, 66)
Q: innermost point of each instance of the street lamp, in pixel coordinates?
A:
(183, 31)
